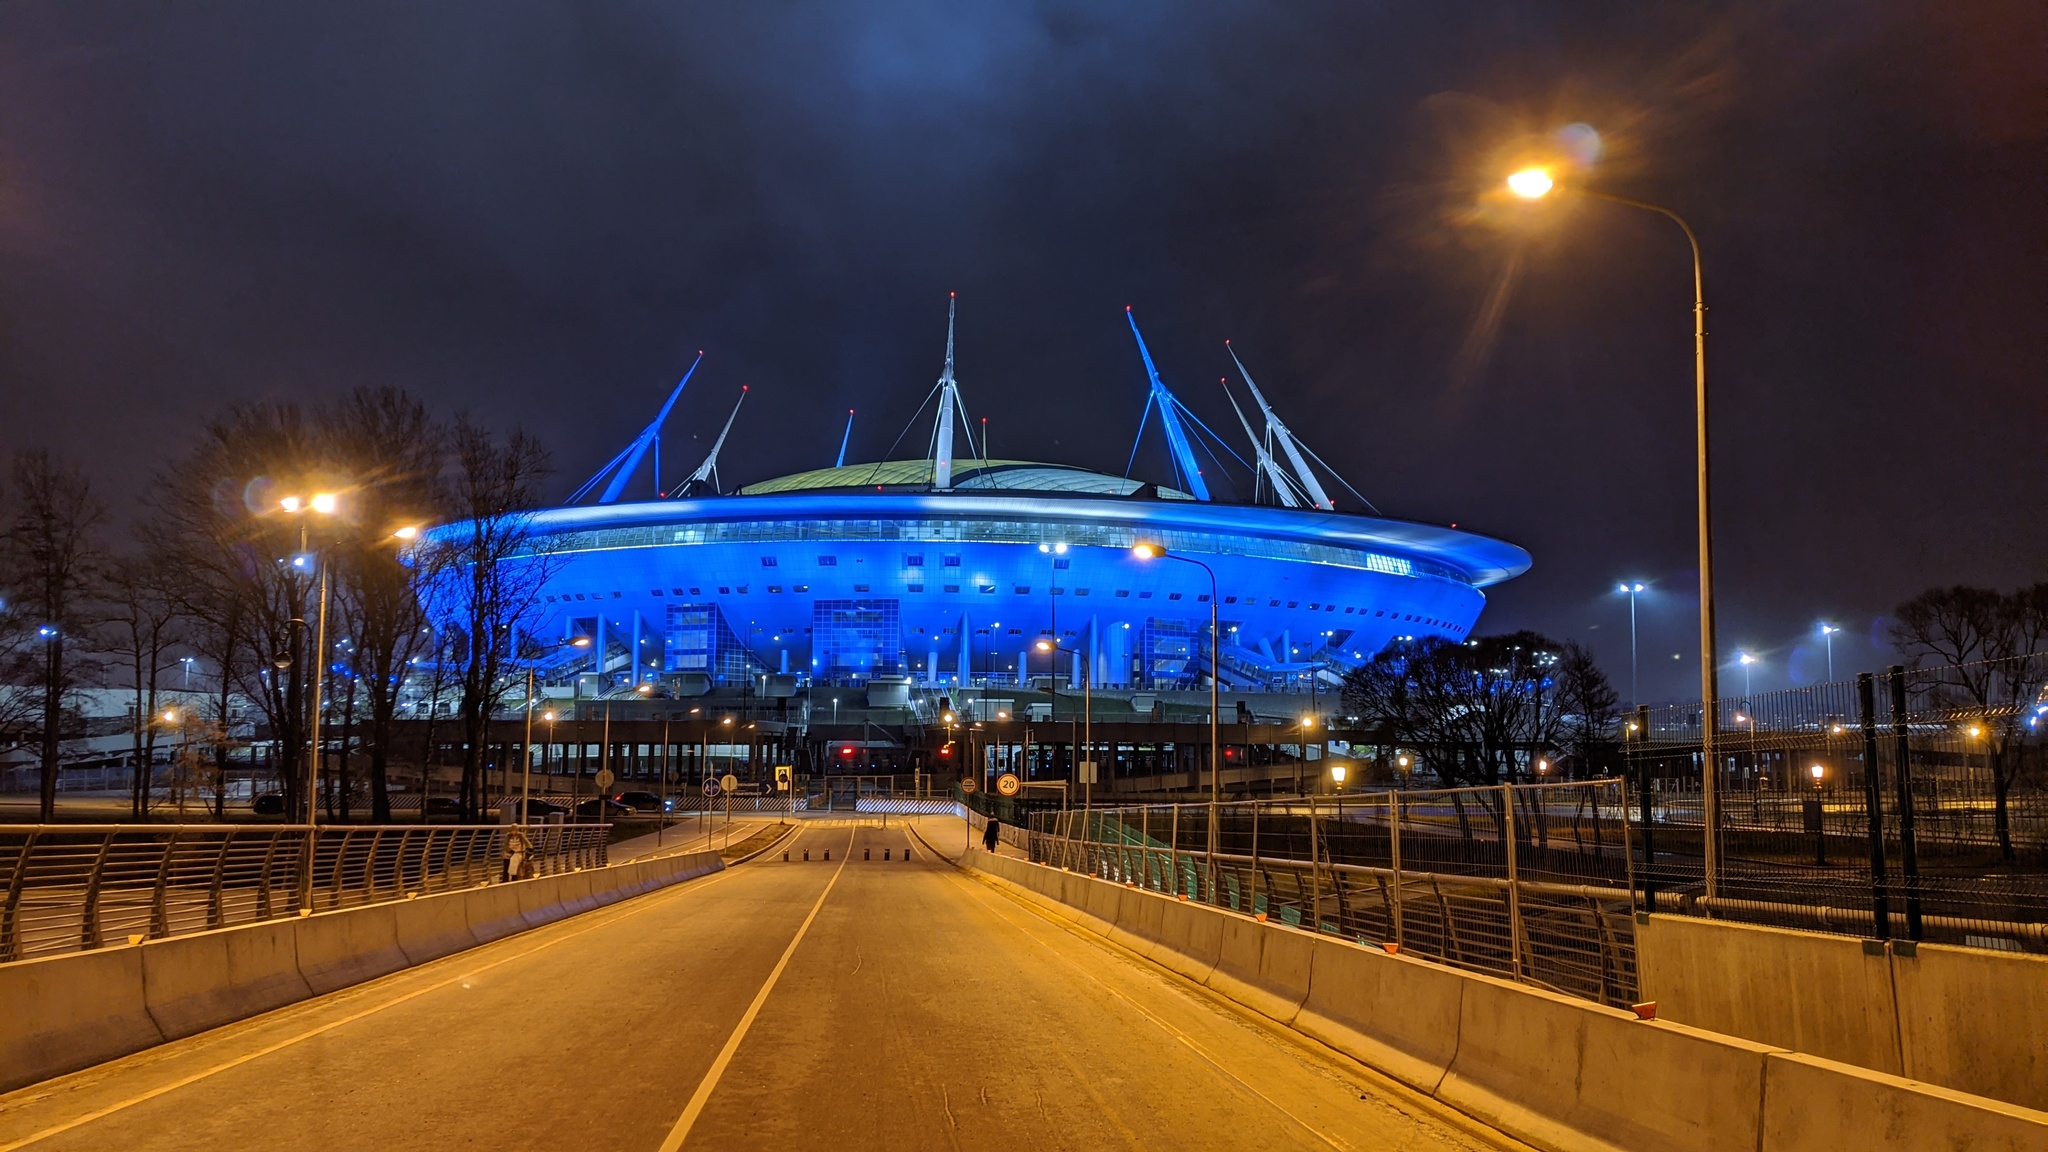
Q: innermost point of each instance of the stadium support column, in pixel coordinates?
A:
(1094, 653)
(597, 649)
(966, 650)
(931, 663)
(634, 655)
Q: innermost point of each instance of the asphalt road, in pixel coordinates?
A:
(849, 1004)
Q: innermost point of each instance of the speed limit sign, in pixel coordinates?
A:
(1008, 785)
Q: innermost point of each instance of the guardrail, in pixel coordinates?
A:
(66, 888)
(1531, 882)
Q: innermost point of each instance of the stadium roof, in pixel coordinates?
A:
(968, 476)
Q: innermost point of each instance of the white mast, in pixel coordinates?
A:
(1281, 487)
(707, 472)
(1309, 483)
(949, 393)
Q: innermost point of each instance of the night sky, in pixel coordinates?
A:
(539, 213)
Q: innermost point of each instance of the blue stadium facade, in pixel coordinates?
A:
(947, 572)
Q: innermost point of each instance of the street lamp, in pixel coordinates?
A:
(1146, 551)
(1632, 589)
(1816, 815)
(1827, 633)
(1747, 661)
(1533, 184)
(1087, 708)
(325, 503)
(1337, 774)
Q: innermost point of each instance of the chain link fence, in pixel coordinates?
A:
(66, 888)
(1911, 804)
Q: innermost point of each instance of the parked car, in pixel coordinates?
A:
(268, 804)
(602, 809)
(644, 801)
(539, 811)
(443, 806)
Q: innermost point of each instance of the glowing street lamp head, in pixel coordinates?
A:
(1531, 183)
(325, 503)
(548, 716)
(1338, 772)
(1044, 645)
(1817, 771)
(1147, 551)
(409, 532)
(1828, 629)
(291, 503)
(1745, 659)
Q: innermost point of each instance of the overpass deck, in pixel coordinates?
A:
(859, 1003)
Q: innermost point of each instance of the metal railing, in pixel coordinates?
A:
(66, 888)
(1530, 882)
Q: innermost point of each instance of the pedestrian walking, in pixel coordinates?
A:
(991, 833)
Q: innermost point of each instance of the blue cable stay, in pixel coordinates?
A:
(846, 436)
(1169, 417)
(622, 466)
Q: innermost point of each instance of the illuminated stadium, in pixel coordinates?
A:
(947, 572)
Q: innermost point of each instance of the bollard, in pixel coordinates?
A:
(885, 853)
(867, 853)
(807, 853)
(828, 853)
(785, 857)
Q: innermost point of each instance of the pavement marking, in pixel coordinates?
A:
(194, 1078)
(1165, 1026)
(705, 1087)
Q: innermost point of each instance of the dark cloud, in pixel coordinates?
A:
(540, 212)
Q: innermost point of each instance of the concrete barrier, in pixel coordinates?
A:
(192, 983)
(433, 926)
(1804, 991)
(59, 1014)
(64, 1013)
(337, 949)
(1262, 967)
(1560, 1070)
(1190, 939)
(1975, 1021)
(1394, 1013)
(1811, 1103)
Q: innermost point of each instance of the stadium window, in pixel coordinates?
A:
(916, 587)
(743, 589)
(1272, 603)
(1020, 589)
(654, 592)
(618, 595)
(952, 589)
(579, 595)
(1144, 595)
(1316, 607)
(1059, 591)
(985, 589)
(1016, 631)
(913, 560)
(1062, 563)
(1080, 591)
(1329, 607)
(1381, 612)
(803, 587)
(952, 561)
(828, 561)
(696, 592)
(775, 588)
(1123, 593)
(856, 588)
(767, 561)
(679, 591)
(1349, 611)
(1293, 603)
(1173, 595)
(1202, 599)
(724, 590)
(1230, 599)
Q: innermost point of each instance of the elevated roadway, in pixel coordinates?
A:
(855, 1003)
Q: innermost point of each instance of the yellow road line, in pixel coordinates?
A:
(706, 1086)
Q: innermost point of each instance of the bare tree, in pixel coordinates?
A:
(1588, 708)
(493, 570)
(1982, 652)
(51, 552)
(141, 629)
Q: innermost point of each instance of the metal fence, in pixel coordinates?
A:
(1913, 803)
(1530, 882)
(65, 888)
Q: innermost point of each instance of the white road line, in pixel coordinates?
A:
(706, 1086)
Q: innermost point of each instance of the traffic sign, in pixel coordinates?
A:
(969, 787)
(729, 782)
(710, 787)
(1008, 785)
(604, 779)
(1087, 773)
(782, 777)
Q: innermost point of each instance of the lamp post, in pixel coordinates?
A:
(1087, 708)
(1631, 589)
(1158, 552)
(1053, 601)
(324, 503)
(1534, 184)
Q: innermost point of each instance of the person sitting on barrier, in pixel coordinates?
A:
(991, 833)
(518, 856)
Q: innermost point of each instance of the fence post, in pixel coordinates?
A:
(1173, 848)
(1909, 862)
(1394, 852)
(1251, 904)
(1315, 870)
(1507, 827)
(1873, 805)
(1649, 810)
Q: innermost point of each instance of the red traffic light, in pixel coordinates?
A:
(846, 751)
